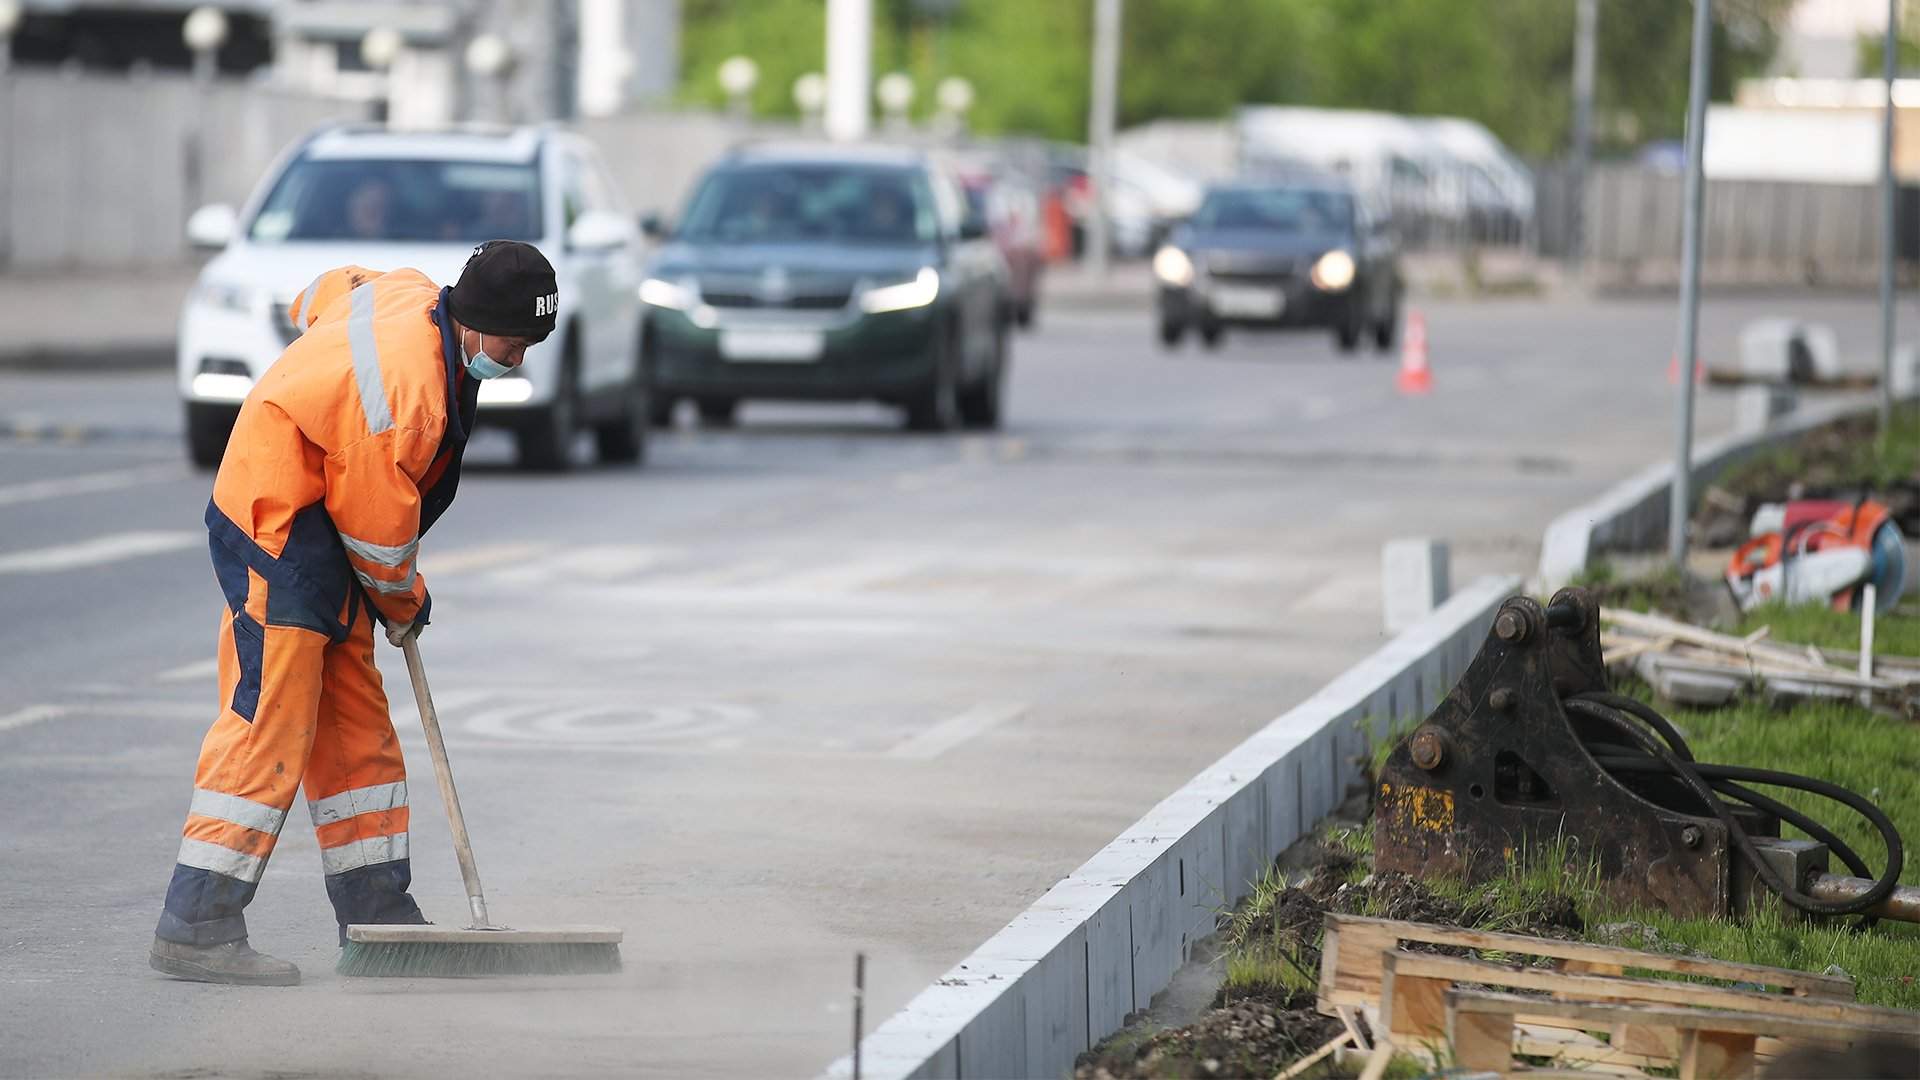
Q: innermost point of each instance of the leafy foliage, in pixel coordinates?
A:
(1506, 63)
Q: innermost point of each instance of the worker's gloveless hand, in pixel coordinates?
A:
(398, 633)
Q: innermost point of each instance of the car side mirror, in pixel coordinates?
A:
(652, 225)
(599, 230)
(973, 227)
(212, 227)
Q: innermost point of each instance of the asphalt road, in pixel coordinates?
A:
(798, 689)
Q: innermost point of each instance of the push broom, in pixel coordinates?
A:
(482, 948)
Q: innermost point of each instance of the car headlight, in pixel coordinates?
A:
(662, 293)
(225, 296)
(919, 292)
(1172, 266)
(1334, 271)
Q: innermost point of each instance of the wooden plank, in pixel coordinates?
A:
(1715, 1055)
(1594, 989)
(1354, 975)
(1482, 1042)
(1661, 626)
(1413, 1005)
(1350, 970)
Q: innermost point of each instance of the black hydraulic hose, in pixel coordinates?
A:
(1647, 713)
(1690, 775)
(1806, 824)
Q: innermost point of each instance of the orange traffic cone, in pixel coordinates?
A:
(1415, 376)
(1673, 372)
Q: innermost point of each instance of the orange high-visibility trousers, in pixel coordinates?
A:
(295, 710)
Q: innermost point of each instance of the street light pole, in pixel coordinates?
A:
(1106, 79)
(1586, 15)
(849, 68)
(1889, 64)
(203, 31)
(1680, 508)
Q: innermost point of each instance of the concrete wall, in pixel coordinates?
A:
(656, 155)
(1065, 973)
(94, 168)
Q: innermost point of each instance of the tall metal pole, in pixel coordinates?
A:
(849, 68)
(1681, 507)
(1106, 81)
(1586, 15)
(1889, 238)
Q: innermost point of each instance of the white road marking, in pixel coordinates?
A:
(955, 730)
(101, 549)
(32, 714)
(199, 669)
(90, 483)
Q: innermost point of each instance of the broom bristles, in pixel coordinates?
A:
(460, 960)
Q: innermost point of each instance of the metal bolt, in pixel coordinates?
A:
(1691, 836)
(1502, 699)
(1510, 627)
(1428, 748)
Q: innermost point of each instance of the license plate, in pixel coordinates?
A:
(772, 346)
(1249, 303)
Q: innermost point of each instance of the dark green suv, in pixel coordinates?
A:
(828, 273)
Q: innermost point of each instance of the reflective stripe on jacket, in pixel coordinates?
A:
(345, 452)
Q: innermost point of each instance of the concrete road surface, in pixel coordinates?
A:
(798, 689)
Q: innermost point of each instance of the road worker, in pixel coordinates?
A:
(343, 456)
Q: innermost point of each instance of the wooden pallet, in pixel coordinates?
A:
(1364, 968)
(1481, 1028)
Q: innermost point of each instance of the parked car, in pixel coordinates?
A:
(1284, 254)
(819, 272)
(1011, 209)
(385, 200)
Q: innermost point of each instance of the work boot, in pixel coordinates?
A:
(234, 963)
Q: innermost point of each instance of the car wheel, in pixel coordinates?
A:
(936, 405)
(1385, 333)
(660, 409)
(1171, 333)
(208, 427)
(980, 401)
(718, 412)
(1023, 314)
(623, 441)
(1210, 335)
(546, 439)
(1347, 335)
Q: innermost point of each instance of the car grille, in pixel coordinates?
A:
(1252, 266)
(801, 302)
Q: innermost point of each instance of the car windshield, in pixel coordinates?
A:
(805, 203)
(1276, 210)
(461, 202)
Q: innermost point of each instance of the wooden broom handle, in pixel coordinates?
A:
(443, 772)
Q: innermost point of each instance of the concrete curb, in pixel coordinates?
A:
(1065, 973)
(1632, 515)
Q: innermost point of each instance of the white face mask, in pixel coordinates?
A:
(482, 366)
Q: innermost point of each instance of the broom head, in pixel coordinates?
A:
(428, 951)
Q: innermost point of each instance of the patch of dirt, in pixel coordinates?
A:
(1254, 1036)
(1257, 1032)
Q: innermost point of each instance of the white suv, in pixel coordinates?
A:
(385, 200)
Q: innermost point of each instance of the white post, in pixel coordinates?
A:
(1681, 505)
(1889, 240)
(1106, 79)
(849, 67)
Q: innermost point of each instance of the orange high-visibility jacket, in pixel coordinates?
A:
(345, 453)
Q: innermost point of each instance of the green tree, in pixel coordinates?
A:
(1505, 63)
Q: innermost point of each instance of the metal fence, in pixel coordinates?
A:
(95, 170)
(1754, 232)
